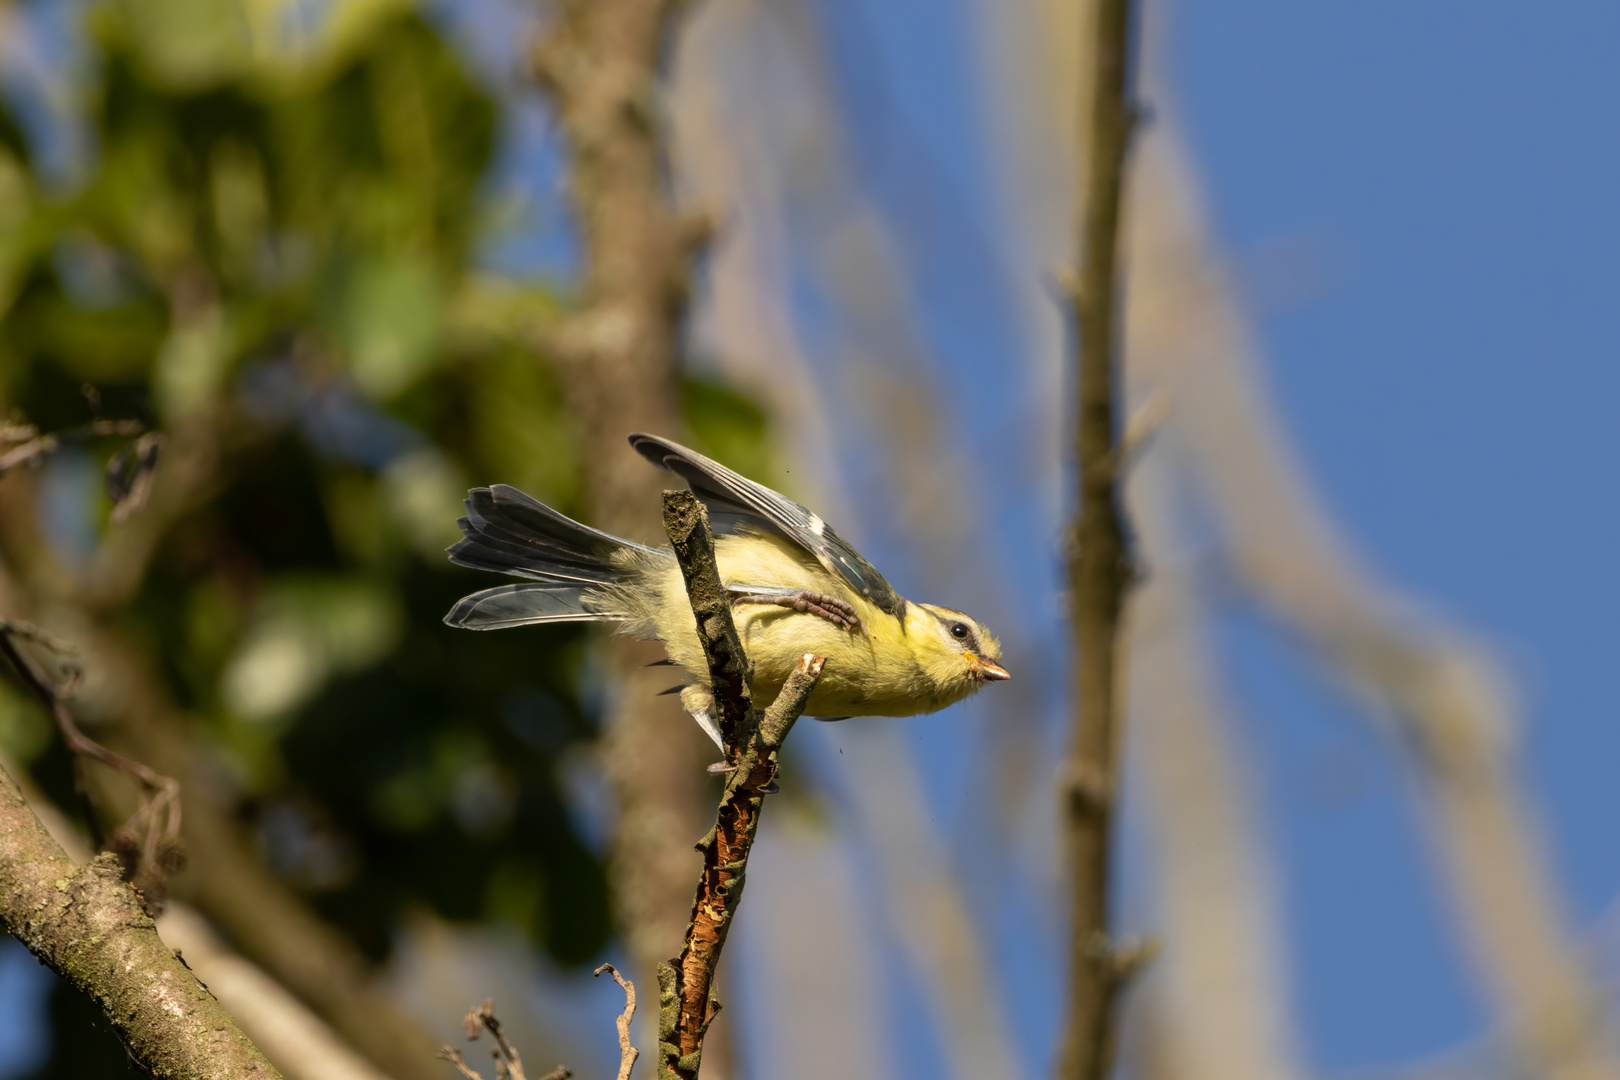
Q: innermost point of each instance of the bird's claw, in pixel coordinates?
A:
(840, 613)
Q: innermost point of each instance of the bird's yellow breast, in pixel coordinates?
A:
(890, 670)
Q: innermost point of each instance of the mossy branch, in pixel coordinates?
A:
(87, 925)
(686, 1006)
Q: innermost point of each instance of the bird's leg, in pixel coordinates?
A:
(838, 612)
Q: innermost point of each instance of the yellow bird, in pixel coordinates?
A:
(797, 587)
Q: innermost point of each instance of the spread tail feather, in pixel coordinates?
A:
(508, 532)
(525, 605)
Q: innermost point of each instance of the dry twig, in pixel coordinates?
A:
(686, 1005)
(1099, 560)
(130, 473)
(508, 1064)
(627, 1052)
(29, 446)
(148, 844)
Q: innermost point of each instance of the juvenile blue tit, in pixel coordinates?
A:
(797, 588)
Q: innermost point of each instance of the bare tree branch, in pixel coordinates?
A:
(225, 879)
(148, 845)
(295, 1040)
(30, 446)
(627, 1052)
(1099, 561)
(616, 351)
(299, 1043)
(88, 925)
(508, 1064)
(686, 1004)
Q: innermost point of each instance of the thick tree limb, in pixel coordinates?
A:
(226, 880)
(616, 350)
(686, 1005)
(1099, 566)
(295, 1040)
(88, 925)
(268, 922)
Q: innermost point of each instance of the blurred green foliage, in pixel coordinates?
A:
(277, 237)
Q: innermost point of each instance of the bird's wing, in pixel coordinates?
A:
(741, 501)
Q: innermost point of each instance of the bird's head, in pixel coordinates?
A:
(958, 654)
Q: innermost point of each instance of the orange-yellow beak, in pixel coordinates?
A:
(992, 671)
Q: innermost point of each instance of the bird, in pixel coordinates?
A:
(796, 587)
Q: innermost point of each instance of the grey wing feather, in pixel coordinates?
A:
(526, 604)
(735, 497)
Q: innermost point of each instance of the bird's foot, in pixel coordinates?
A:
(838, 612)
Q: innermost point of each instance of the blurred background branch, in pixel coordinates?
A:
(1100, 562)
(617, 353)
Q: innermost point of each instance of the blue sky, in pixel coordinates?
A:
(1445, 175)
(1420, 198)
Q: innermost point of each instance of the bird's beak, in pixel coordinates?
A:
(993, 672)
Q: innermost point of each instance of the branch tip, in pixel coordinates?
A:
(627, 1052)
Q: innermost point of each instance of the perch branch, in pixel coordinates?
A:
(687, 523)
(88, 925)
(1099, 559)
(686, 1005)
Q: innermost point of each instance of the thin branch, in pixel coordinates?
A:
(507, 1061)
(627, 1052)
(686, 1004)
(32, 446)
(453, 1056)
(87, 925)
(130, 473)
(148, 844)
(508, 1065)
(1099, 560)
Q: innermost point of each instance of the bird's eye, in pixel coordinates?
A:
(959, 631)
